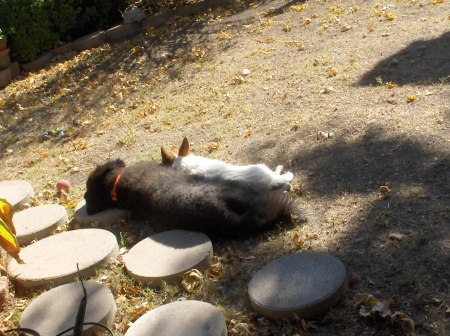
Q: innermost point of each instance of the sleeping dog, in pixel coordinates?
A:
(258, 175)
(173, 199)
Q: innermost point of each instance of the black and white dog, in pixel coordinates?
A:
(172, 199)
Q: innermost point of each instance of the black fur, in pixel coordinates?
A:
(171, 199)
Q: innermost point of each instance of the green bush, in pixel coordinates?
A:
(35, 26)
(92, 16)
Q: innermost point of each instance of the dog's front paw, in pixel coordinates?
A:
(288, 176)
(279, 169)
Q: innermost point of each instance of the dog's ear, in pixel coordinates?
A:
(184, 149)
(167, 157)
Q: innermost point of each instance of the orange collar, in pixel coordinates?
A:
(114, 189)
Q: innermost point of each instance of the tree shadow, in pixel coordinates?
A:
(421, 62)
(77, 96)
(397, 243)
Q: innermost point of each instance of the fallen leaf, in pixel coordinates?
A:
(411, 98)
(224, 36)
(298, 8)
(76, 109)
(385, 191)
(337, 10)
(213, 146)
(287, 27)
(391, 85)
(396, 236)
(297, 240)
(306, 21)
(390, 16)
(332, 72)
(404, 321)
(248, 132)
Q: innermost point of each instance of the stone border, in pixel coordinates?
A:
(123, 31)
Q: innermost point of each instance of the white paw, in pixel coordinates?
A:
(288, 176)
(279, 169)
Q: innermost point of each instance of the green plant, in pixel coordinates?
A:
(35, 26)
(1, 33)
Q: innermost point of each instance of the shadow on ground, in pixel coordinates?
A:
(421, 62)
(89, 85)
(412, 271)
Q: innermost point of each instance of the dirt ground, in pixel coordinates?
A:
(372, 76)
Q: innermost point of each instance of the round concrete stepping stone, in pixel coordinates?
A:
(53, 260)
(167, 255)
(55, 311)
(38, 222)
(16, 192)
(107, 217)
(306, 284)
(181, 318)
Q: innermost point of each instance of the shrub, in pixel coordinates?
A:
(35, 26)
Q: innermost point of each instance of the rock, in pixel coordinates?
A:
(167, 255)
(55, 310)
(38, 222)
(133, 14)
(16, 192)
(181, 318)
(53, 260)
(106, 217)
(304, 284)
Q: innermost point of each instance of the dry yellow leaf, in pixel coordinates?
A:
(437, 1)
(306, 21)
(287, 27)
(297, 240)
(248, 132)
(377, 11)
(79, 145)
(391, 85)
(390, 16)
(411, 98)
(43, 154)
(76, 109)
(224, 36)
(213, 146)
(332, 72)
(298, 8)
(336, 10)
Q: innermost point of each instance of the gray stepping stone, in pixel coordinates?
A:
(181, 318)
(55, 310)
(107, 217)
(306, 284)
(53, 260)
(16, 192)
(38, 222)
(167, 255)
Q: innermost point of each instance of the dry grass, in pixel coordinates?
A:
(375, 75)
